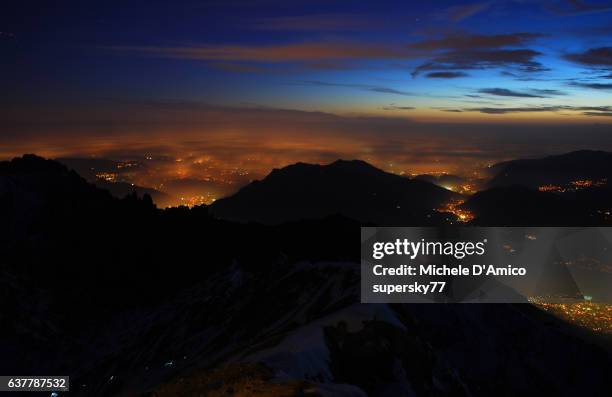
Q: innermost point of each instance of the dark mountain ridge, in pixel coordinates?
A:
(124, 297)
(352, 188)
(568, 189)
(554, 170)
(90, 168)
(521, 206)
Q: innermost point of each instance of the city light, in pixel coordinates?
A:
(454, 207)
(588, 314)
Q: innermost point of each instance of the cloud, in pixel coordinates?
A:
(7, 35)
(395, 107)
(577, 7)
(522, 59)
(524, 76)
(586, 110)
(599, 61)
(326, 64)
(386, 90)
(506, 73)
(461, 12)
(489, 110)
(158, 104)
(456, 52)
(595, 108)
(532, 93)
(476, 41)
(256, 67)
(506, 92)
(445, 54)
(318, 23)
(594, 86)
(468, 52)
(366, 87)
(604, 114)
(238, 67)
(445, 75)
(297, 52)
(265, 138)
(547, 92)
(600, 56)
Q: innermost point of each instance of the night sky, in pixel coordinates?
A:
(416, 85)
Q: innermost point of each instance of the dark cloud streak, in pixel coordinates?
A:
(446, 75)
(594, 86)
(586, 110)
(476, 41)
(395, 107)
(532, 93)
(522, 59)
(461, 12)
(507, 93)
(600, 56)
(603, 114)
(577, 7)
(318, 22)
(366, 87)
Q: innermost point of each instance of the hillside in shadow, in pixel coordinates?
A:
(128, 299)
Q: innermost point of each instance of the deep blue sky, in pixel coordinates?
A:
(81, 66)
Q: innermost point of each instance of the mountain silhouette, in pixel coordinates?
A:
(354, 189)
(442, 180)
(129, 299)
(521, 206)
(90, 168)
(553, 170)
